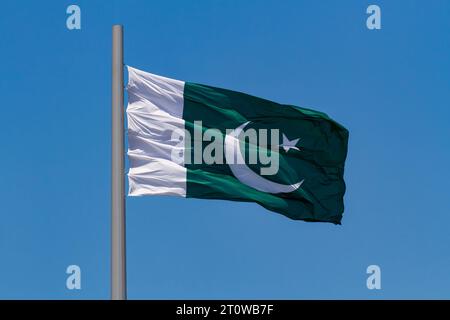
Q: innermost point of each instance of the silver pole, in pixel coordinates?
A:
(118, 265)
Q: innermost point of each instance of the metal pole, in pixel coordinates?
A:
(118, 265)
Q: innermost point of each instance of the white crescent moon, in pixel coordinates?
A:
(246, 175)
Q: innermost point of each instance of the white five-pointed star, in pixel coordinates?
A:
(289, 144)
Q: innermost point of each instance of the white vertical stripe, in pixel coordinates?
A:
(155, 110)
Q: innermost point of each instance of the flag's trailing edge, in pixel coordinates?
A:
(174, 125)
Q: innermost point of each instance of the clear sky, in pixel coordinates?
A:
(389, 87)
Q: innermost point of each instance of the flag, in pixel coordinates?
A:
(198, 141)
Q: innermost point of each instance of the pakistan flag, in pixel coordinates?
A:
(197, 141)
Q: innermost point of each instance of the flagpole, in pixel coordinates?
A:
(118, 257)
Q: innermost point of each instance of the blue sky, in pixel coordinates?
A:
(389, 87)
